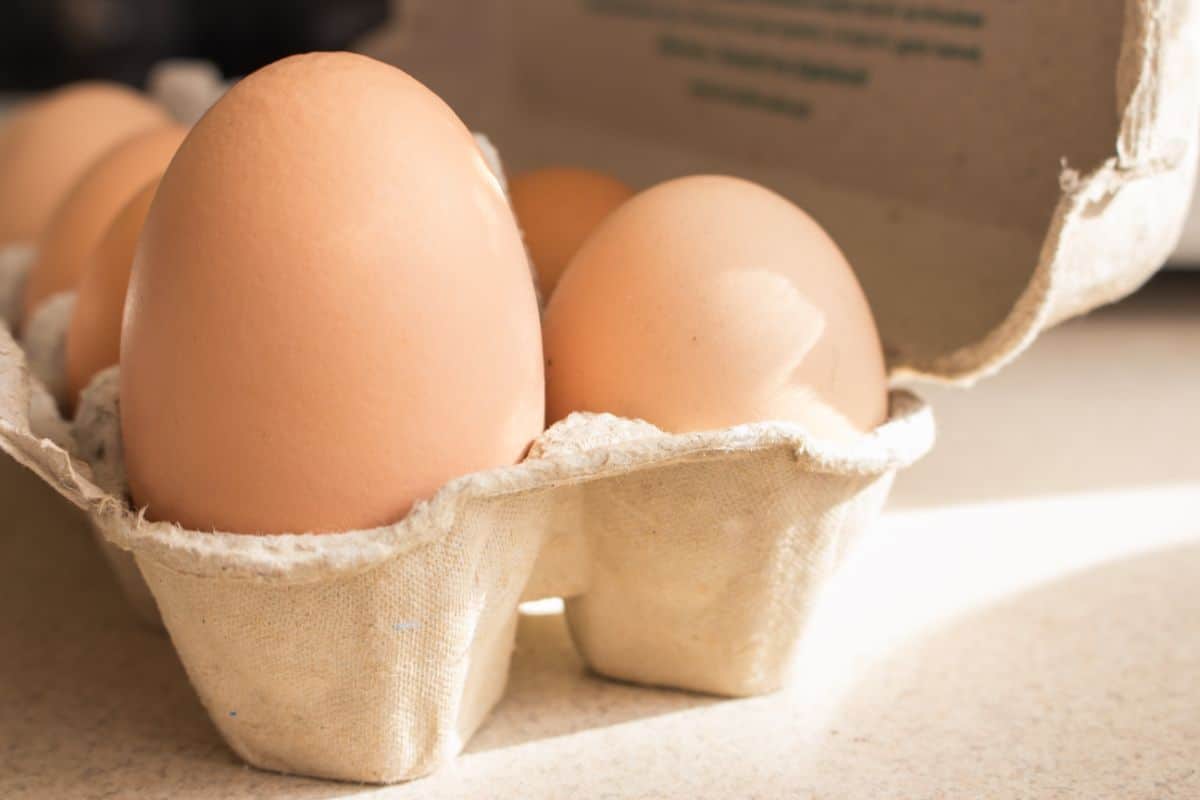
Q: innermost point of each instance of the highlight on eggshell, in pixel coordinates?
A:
(93, 338)
(48, 143)
(330, 313)
(710, 301)
(66, 246)
(557, 207)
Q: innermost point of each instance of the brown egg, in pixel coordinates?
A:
(709, 301)
(89, 208)
(47, 144)
(557, 207)
(93, 339)
(330, 314)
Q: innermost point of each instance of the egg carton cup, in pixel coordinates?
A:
(687, 560)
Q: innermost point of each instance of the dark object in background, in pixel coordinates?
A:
(47, 42)
(44, 43)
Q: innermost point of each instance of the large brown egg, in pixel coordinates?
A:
(330, 314)
(47, 144)
(70, 238)
(709, 301)
(93, 340)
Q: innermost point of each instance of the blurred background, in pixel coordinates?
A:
(47, 42)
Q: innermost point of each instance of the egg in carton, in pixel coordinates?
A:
(687, 560)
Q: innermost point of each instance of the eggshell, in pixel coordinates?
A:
(70, 238)
(93, 339)
(47, 145)
(557, 207)
(330, 314)
(709, 301)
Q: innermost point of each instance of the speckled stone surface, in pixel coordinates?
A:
(1014, 628)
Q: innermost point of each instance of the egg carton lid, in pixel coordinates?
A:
(990, 170)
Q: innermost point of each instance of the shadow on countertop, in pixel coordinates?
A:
(1085, 686)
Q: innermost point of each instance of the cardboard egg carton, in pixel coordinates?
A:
(687, 561)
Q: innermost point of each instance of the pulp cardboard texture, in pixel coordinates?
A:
(687, 560)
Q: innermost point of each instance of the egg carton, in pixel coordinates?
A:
(687, 560)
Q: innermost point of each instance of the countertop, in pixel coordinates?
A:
(1024, 622)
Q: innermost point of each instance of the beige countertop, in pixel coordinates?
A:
(1023, 623)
